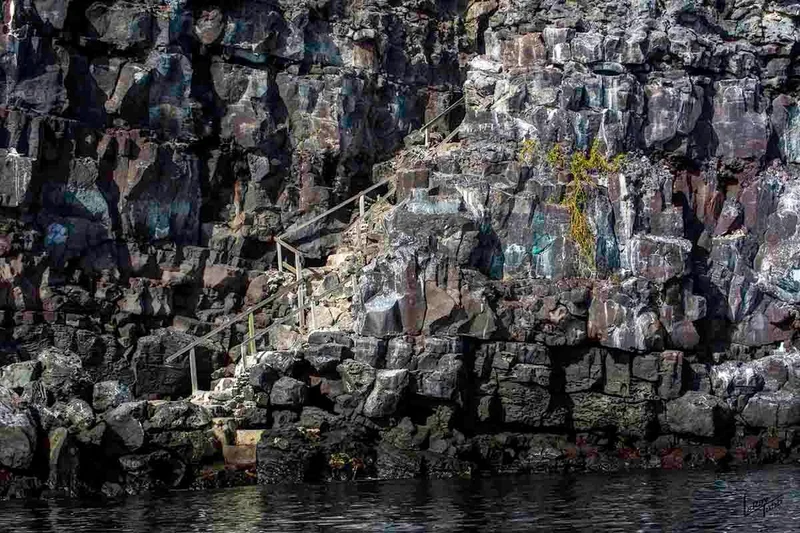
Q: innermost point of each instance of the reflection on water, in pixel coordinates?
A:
(645, 501)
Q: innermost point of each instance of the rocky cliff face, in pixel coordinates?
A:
(598, 269)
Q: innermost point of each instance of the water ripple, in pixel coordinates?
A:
(643, 502)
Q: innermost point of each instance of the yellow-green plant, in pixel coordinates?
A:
(585, 169)
(527, 151)
(556, 156)
(338, 460)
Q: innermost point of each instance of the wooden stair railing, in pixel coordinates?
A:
(298, 270)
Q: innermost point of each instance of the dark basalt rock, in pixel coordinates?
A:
(151, 152)
(288, 392)
(18, 438)
(110, 394)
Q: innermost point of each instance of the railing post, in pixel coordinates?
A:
(361, 211)
(313, 313)
(280, 255)
(193, 370)
(301, 314)
(358, 235)
(243, 353)
(427, 138)
(298, 267)
(251, 328)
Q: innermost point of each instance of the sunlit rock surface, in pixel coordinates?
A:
(151, 151)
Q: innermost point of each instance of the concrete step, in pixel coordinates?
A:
(239, 456)
(248, 437)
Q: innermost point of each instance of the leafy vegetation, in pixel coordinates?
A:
(341, 461)
(528, 151)
(584, 169)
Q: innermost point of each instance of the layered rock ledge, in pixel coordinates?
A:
(599, 267)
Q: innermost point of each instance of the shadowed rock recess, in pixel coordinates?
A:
(599, 270)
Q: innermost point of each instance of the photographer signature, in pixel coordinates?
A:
(765, 505)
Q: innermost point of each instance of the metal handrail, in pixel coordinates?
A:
(291, 314)
(238, 318)
(443, 113)
(280, 242)
(391, 191)
(333, 209)
(299, 283)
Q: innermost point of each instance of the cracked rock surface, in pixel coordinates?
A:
(151, 151)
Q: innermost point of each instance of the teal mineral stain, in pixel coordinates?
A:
(247, 55)
(164, 64)
(176, 19)
(400, 106)
(91, 200)
(496, 266)
(180, 208)
(541, 242)
(606, 249)
(788, 284)
(515, 255)
(154, 113)
(595, 98)
(347, 90)
(581, 133)
(158, 220)
(231, 32)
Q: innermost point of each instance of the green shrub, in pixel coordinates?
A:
(584, 170)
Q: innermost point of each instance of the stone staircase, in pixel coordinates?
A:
(239, 414)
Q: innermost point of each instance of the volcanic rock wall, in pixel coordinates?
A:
(672, 325)
(152, 150)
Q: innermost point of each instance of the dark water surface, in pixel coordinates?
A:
(643, 501)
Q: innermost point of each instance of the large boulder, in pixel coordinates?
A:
(659, 259)
(444, 380)
(262, 377)
(17, 436)
(593, 411)
(17, 375)
(390, 386)
(125, 430)
(624, 320)
(75, 415)
(63, 374)
(523, 404)
(699, 414)
(110, 394)
(773, 409)
(586, 372)
(357, 377)
(288, 392)
(177, 416)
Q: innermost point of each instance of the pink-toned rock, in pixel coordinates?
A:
(524, 50)
(222, 277)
